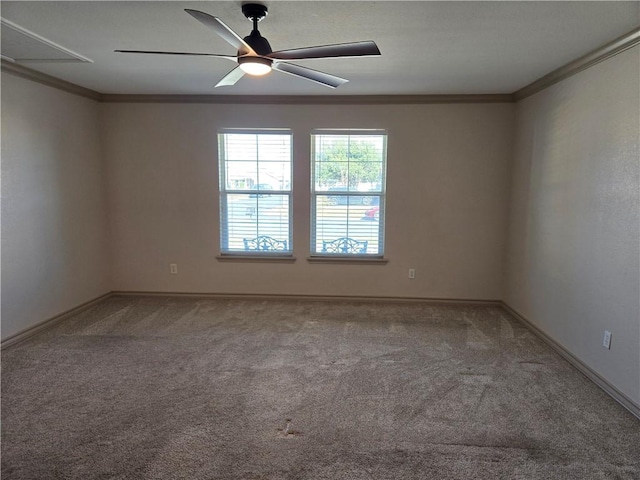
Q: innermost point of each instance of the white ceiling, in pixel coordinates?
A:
(427, 47)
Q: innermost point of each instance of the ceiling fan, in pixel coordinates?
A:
(255, 57)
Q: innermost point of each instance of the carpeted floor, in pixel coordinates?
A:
(188, 388)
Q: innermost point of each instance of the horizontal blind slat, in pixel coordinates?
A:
(348, 185)
(255, 187)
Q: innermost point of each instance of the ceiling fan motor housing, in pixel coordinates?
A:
(258, 43)
(256, 12)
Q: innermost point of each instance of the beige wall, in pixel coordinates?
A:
(536, 203)
(54, 245)
(574, 240)
(446, 212)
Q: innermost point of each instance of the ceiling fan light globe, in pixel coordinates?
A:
(256, 69)
(255, 65)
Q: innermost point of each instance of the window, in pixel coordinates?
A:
(348, 193)
(255, 192)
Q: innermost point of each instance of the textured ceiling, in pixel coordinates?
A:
(427, 47)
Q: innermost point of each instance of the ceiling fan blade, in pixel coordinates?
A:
(222, 30)
(313, 75)
(355, 49)
(153, 52)
(231, 78)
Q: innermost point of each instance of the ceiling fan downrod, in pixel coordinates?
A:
(255, 12)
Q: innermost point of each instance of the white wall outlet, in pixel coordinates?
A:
(173, 268)
(606, 340)
(412, 273)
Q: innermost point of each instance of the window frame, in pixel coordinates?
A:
(381, 195)
(224, 193)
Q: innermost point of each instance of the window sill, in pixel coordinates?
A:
(348, 260)
(256, 258)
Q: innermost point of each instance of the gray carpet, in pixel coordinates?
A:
(185, 388)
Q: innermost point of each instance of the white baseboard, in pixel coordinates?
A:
(50, 322)
(317, 298)
(587, 371)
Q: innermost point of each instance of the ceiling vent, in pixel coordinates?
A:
(22, 46)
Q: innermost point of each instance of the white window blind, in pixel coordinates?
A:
(255, 192)
(348, 193)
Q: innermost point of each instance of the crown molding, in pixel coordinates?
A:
(619, 45)
(310, 99)
(29, 74)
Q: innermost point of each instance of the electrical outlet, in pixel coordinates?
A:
(606, 340)
(412, 273)
(173, 268)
